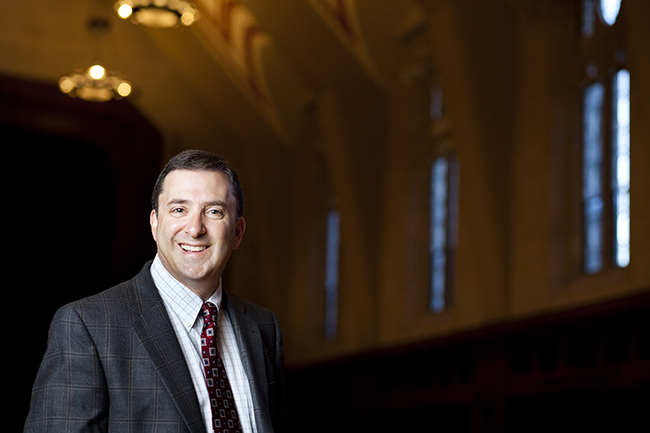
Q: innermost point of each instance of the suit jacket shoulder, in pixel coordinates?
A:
(118, 346)
(113, 363)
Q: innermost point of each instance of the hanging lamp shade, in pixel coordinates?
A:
(160, 14)
(95, 84)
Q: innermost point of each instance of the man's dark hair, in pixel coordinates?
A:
(199, 160)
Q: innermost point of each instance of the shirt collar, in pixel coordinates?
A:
(180, 299)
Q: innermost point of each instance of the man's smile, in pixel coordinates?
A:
(192, 248)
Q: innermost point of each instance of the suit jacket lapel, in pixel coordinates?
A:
(157, 335)
(251, 349)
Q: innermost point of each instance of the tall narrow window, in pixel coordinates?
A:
(592, 191)
(621, 166)
(588, 17)
(605, 139)
(442, 238)
(332, 273)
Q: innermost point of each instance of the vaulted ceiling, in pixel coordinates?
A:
(247, 71)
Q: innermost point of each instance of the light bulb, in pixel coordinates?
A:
(96, 72)
(66, 84)
(124, 11)
(124, 89)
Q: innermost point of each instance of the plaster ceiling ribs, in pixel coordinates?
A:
(259, 66)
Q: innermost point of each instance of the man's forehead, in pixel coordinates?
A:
(202, 181)
(191, 176)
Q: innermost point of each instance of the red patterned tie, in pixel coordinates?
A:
(224, 411)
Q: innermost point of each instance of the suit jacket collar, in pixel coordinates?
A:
(248, 336)
(156, 333)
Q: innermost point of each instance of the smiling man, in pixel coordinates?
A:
(196, 227)
(170, 350)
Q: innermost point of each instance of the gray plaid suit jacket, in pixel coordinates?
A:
(113, 364)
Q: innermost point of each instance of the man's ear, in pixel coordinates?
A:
(153, 222)
(240, 228)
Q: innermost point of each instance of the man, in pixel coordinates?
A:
(131, 358)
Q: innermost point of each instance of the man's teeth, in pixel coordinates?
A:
(192, 248)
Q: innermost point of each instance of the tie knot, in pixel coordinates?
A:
(210, 312)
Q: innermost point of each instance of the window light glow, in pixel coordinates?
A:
(592, 191)
(332, 273)
(621, 166)
(438, 236)
(609, 10)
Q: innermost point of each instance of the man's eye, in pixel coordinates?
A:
(177, 210)
(216, 212)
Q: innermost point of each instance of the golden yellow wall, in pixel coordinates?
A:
(510, 74)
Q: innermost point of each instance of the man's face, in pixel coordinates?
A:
(196, 228)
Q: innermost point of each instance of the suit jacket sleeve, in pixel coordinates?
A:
(70, 391)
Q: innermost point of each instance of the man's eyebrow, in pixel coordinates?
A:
(175, 201)
(215, 203)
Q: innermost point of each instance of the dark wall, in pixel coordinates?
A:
(79, 177)
(583, 370)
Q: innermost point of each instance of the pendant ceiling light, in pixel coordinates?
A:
(160, 14)
(95, 83)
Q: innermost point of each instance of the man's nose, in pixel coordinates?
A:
(195, 226)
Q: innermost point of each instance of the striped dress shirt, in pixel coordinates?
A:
(184, 307)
